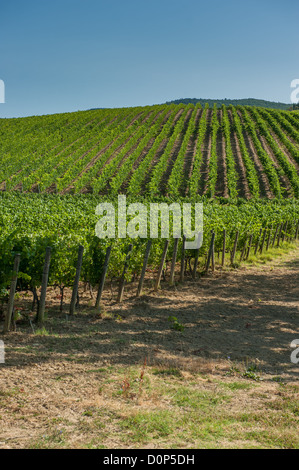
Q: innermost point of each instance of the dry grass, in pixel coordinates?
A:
(128, 379)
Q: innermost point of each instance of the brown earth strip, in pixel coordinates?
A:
(291, 139)
(283, 179)
(190, 154)
(206, 153)
(242, 183)
(264, 185)
(221, 183)
(152, 165)
(159, 153)
(174, 154)
(143, 155)
(284, 149)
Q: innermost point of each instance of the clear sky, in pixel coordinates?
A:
(68, 55)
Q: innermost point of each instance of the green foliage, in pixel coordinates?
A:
(228, 102)
(134, 150)
(150, 150)
(213, 169)
(175, 324)
(31, 222)
(193, 185)
(251, 373)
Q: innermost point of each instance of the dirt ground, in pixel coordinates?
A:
(246, 316)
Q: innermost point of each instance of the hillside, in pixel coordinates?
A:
(236, 102)
(170, 150)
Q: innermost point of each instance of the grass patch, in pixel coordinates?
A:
(53, 440)
(236, 385)
(42, 332)
(145, 426)
(168, 372)
(186, 397)
(148, 406)
(270, 255)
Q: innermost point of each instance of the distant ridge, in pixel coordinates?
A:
(242, 102)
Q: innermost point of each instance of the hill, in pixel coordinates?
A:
(171, 150)
(236, 102)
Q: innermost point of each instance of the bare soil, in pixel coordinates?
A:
(190, 154)
(283, 178)
(221, 183)
(232, 317)
(174, 153)
(206, 155)
(242, 183)
(265, 188)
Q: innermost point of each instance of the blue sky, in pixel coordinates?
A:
(68, 55)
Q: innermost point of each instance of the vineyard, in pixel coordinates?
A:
(241, 162)
(169, 150)
(138, 340)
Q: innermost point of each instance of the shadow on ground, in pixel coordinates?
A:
(246, 315)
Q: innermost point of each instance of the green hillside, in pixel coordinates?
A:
(169, 150)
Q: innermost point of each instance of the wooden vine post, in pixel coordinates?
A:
(42, 304)
(211, 250)
(279, 234)
(284, 231)
(249, 246)
(263, 241)
(123, 277)
(183, 260)
(292, 231)
(223, 248)
(12, 292)
(76, 281)
(275, 235)
(173, 261)
(258, 242)
(157, 284)
(242, 256)
(196, 258)
(235, 247)
(103, 276)
(145, 262)
(269, 238)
